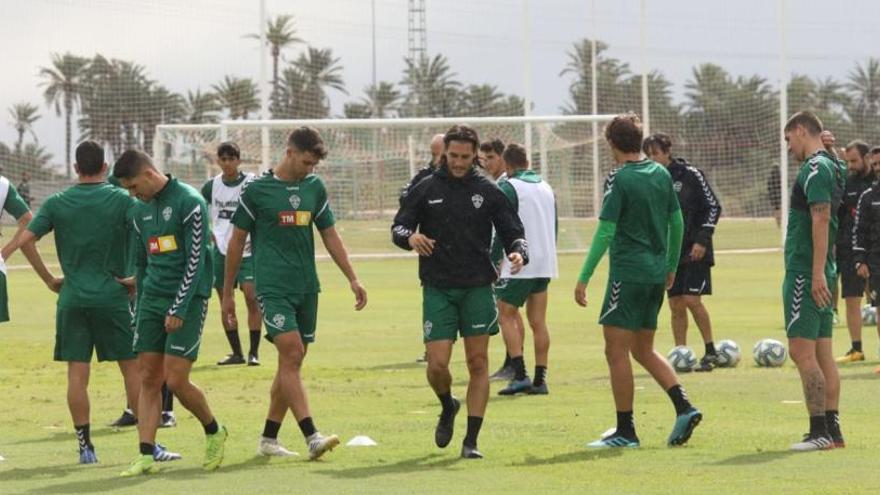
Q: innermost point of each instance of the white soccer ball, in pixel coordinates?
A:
(769, 353)
(728, 353)
(869, 315)
(682, 358)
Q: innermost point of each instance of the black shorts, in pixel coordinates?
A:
(692, 279)
(851, 284)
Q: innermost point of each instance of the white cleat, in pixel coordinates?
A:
(270, 447)
(319, 445)
(811, 443)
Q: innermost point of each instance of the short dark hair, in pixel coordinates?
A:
(496, 146)
(228, 148)
(516, 156)
(130, 164)
(806, 119)
(462, 132)
(875, 150)
(89, 157)
(307, 139)
(624, 132)
(657, 140)
(859, 145)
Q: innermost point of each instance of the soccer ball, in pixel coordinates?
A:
(869, 315)
(728, 353)
(682, 358)
(769, 353)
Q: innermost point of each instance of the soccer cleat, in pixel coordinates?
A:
(446, 426)
(320, 445)
(851, 356)
(161, 454)
(168, 420)
(270, 447)
(812, 443)
(504, 374)
(253, 360)
(539, 390)
(684, 426)
(215, 446)
(614, 441)
(423, 358)
(143, 464)
(837, 441)
(127, 419)
(707, 363)
(468, 452)
(231, 359)
(87, 455)
(517, 387)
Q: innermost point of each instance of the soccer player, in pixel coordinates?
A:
(533, 200)
(12, 203)
(174, 272)
(222, 194)
(693, 278)
(859, 178)
(93, 304)
(279, 211)
(809, 266)
(642, 222)
(866, 235)
(447, 219)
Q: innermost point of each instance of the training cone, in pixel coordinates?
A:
(361, 441)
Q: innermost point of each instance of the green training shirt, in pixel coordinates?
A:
(14, 203)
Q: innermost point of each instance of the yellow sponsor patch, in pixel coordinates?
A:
(303, 218)
(163, 244)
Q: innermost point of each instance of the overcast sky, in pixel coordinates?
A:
(194, 43)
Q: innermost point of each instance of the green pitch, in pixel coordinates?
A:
(363, 380)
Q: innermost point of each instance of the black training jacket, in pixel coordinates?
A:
(459, 215)
(866, 229)
(699, 207)
(846, 214)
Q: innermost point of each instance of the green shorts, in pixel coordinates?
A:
(632, 305)
(292, 313)
(245, 271)
(4, 301)
(446, 313)
(802, 317)
(79, 330)
(515, 291)
(150, 334)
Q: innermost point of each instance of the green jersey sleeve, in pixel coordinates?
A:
(612, 201)
(244, 217)
(207, 187)
(42, 222)
(14, 204)
(509, 193)
(196, 234)
(819, 181)
(323, 214)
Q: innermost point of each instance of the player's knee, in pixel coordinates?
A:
(803, 356)
(615, 353)
(478, 364)
(437, 367)
(292, 359)
(175, 382)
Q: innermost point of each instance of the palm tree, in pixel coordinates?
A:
(320, 72)
(432, 90)
(238, 95)
(62, 83)
(23, 117)
(280, 33)
(201, 108)
(382, 99)
(864, 88)
(481, 100)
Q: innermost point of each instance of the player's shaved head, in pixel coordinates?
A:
(131, 163)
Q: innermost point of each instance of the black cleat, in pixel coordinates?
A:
(707, 363)
(253, 360)
(470, 453)
(127, 419)
(446, 425)
(231, 359)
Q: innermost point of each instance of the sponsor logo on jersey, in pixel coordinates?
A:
(166, 213)
(294, 218)
(677, 186)
(295, 201)
(148, 218)
(178, 348)
(435, 201)
(162, 244)
(225, 214)
(477, 200)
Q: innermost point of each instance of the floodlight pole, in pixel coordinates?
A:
(594, 96)
(527, 75)
(643, 49)
(783, 117)
(264, 90)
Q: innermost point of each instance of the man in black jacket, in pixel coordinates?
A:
(448, 218)
(701, 210)
(858, 180)
(866, 234)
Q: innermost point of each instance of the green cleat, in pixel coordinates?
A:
(214, 448)
(143, 464)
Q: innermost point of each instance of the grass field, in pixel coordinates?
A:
(362, 379)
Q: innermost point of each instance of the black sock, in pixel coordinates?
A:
(447, 402)
(857, 345)
(167, 399)
(710, 348)
(519, 368)
(146, 448)
(83, 436)
(625, 424)
(540, 375)
(473, 431)
(270, 430)
(818, 426)
(212, 427)
(832, 420)
(679, 399)
(255, 343)
(234, 342)
(307, 427)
